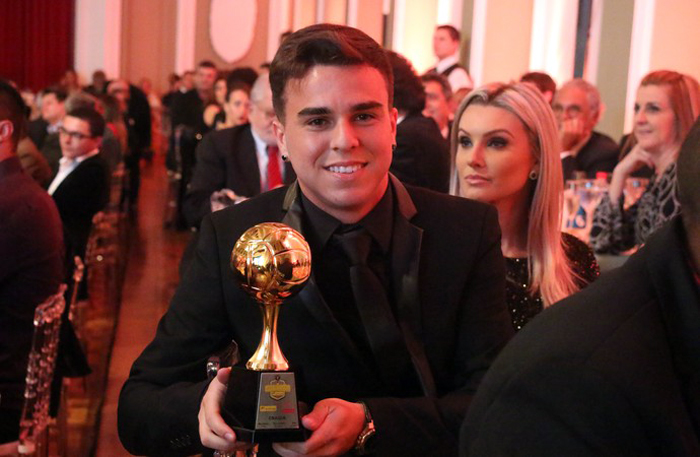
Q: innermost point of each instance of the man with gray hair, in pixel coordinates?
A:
(578, 108)
(239, 162)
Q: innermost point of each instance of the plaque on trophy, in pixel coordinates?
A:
(271, 262)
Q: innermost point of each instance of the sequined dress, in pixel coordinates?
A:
(521, 305)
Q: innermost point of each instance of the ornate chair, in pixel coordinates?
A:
(40, 369)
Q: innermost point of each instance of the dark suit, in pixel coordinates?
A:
(449, 286)
(613, 370)
(422, 155)
(31, 249)
(225, 159)
(600, 153)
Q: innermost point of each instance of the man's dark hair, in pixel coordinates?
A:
(206, 64)
(244, 74)
(454, 33)
(237, 85)
(13, 109)
(688, 170)
(409, 94)
(59, 92)
(542, 80)
(440, 79)
(92, 117)
(324, 44)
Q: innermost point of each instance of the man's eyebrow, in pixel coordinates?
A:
(366, 106)
(313, 111)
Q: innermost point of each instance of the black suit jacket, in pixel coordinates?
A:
(600, 153)
(225, 159)
(422, 155)
(84, 192)
(449, 289)
(611, 371)
(31, 249)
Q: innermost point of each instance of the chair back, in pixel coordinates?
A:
(40, 371)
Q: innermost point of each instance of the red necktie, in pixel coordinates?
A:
(274, 174)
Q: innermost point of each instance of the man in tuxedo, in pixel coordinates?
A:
(389, 363)
(446, 42)
(614, 369)
(578, 108)
(81, 186)
(31, 249)
(238, 162)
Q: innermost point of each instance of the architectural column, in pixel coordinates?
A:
(185, 35)
(98, 26)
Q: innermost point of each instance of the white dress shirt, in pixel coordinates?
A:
(66, 167)
(459, 77)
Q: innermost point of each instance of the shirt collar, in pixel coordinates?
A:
(447, 62)
(77, 160)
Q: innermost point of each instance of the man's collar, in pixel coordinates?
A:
(447, 62)
(82, 158)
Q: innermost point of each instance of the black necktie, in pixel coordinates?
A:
(383, 334)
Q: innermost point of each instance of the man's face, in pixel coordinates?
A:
(204, 78)
(572, 103)
(338, 133)
(436, 104)
(75, 137)
(443, 44)
(52, 110)
(261, 116)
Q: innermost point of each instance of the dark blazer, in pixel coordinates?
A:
(611, 371)
(422, 155)
(84, 192)
(31, 249)
(225, 159)
(449, 286)
(600, 153)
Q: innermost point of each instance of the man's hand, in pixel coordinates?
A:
(335, 424)
(573, 135)
(213, 431)
(224, 198)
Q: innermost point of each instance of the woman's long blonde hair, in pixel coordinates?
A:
(549, 268)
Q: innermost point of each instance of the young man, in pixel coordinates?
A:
(446, 41)
(400, 367)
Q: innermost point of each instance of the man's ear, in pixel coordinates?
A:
(278, 128)
(6, 130)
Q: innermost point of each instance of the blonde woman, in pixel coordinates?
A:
(505, 151)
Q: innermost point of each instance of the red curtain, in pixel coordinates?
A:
(36, 41)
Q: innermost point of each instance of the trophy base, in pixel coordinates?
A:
(262, 406)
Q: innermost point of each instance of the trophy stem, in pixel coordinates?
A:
(268, 355)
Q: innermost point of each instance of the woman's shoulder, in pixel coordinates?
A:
(581, 256)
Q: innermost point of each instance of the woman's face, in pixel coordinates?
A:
(654, 119)
(237, 107)
(220, 91)
(493, 156)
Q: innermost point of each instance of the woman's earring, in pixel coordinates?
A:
(533, 175)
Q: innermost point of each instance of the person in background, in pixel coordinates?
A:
(505, 152)
(214, 113)
(422, 155)
(614, 369)
(98, 85)
(437, 102)
(578, 108)
(236, 106)
(544, 83)
(44, 131)
(666, 106)
(31, 249)
(446, 42)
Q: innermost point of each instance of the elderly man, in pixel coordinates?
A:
(390, 356)
(614, 369)
(577, 107)
(238, 162)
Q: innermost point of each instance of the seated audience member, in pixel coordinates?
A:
(99, 84)
(81, 187)
(544, 83)
(446, 42)
(44, 131)
(422, 155)
(31, 249)
(245, 75)
(614, 369)
(403, 377)
(667, 104)
(506, 153)
(236, 105)
(578, 108)
(33, 163)
(214, 113)
(116, 138)
(238, 163)
(437, 102)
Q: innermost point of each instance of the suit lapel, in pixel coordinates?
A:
(310, 295)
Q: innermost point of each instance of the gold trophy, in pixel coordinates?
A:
(272, 262)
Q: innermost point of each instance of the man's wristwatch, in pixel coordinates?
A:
(363, 445)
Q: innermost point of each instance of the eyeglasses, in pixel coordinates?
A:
(74, 135)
